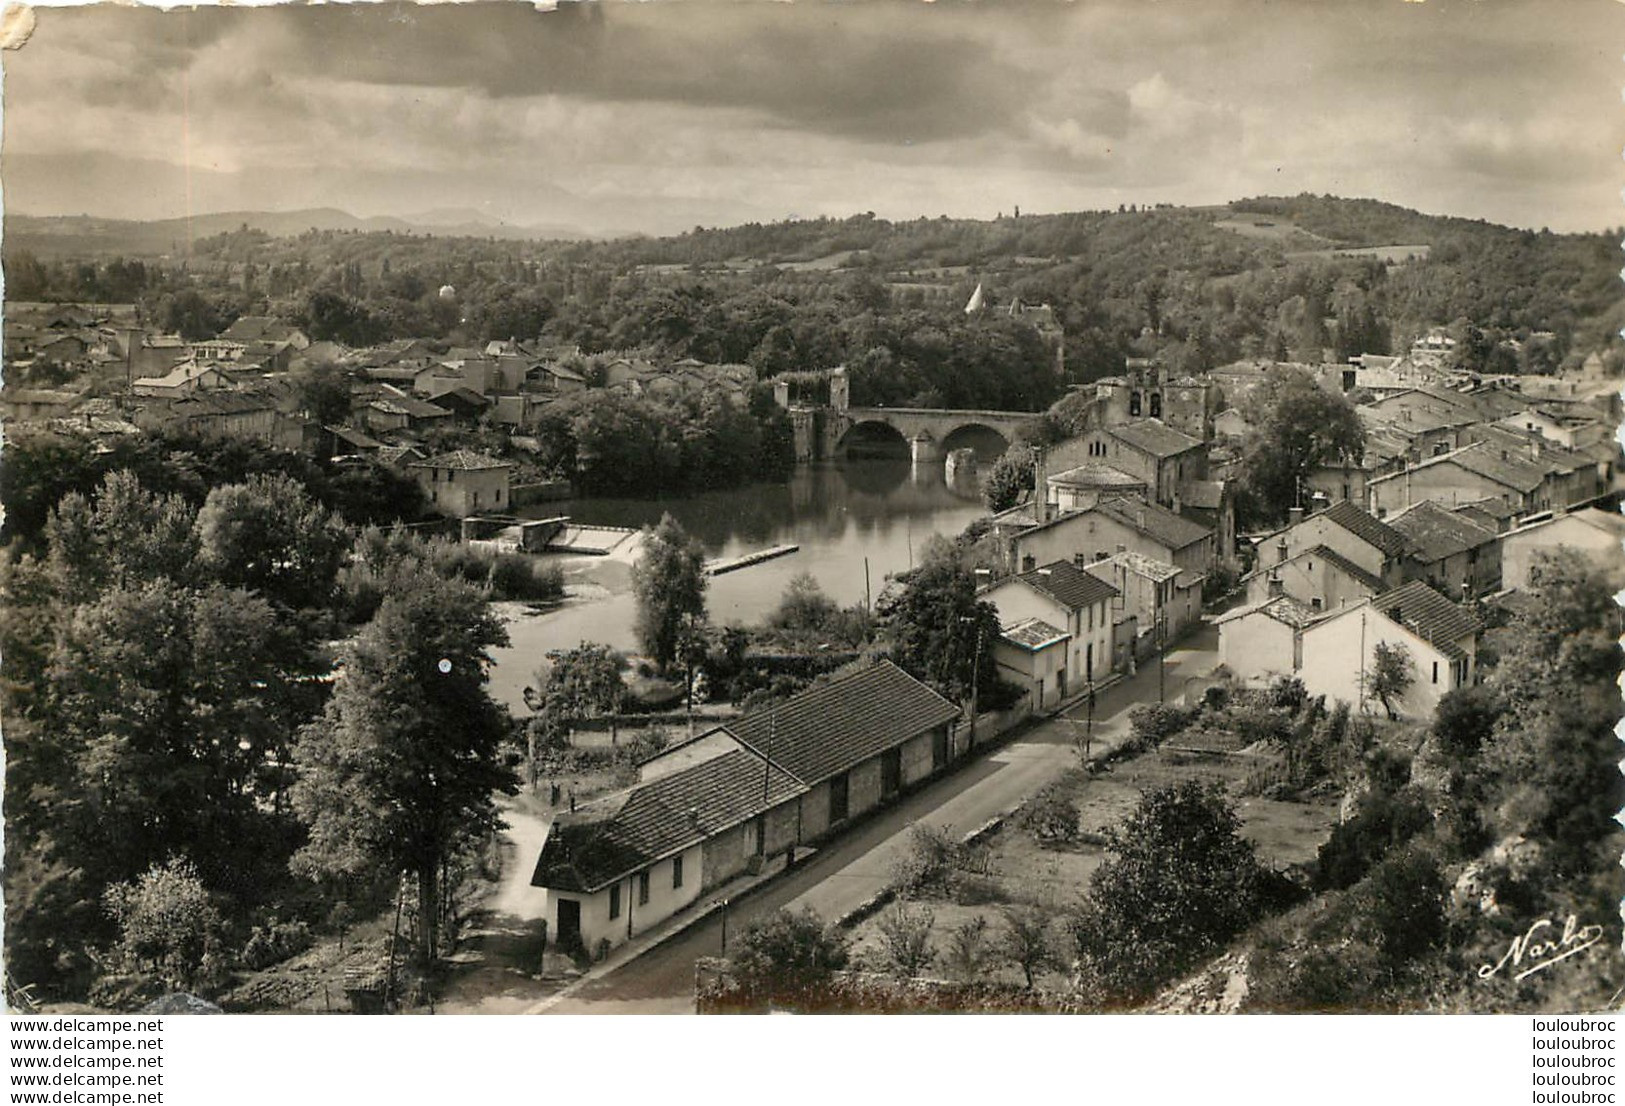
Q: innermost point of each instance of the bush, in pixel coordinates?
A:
(1051, 818)
(274, 943)
(516, 576)
(1399, 910)
(905, 935)
(1150, 724)
(788, 955)
(1384, 820)
(928, 865)
(1288, 693)
(647, 744)
(968, 951)
(1182, 882)
(169, 929)
(1334, 976)
(1465, 719)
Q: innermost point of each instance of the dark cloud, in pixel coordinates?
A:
(877, 72)
(821, 107)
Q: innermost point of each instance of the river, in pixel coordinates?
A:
(840, 514)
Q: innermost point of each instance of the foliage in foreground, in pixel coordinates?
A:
(1181, 882)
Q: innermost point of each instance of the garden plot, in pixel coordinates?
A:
(1014, 873)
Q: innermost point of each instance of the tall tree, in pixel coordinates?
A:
(269, 536)
(941, 633)
(403, 766)
(161, 702)
(669, 583)
(1298, 425)
(1010, 475)
(323, 390)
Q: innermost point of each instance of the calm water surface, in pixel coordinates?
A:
(839, 514)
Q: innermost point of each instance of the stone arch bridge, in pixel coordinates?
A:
(930, 433)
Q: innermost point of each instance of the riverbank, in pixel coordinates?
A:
(855, 524)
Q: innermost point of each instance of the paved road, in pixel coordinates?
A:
(858, 863)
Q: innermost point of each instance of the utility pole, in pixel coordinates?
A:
(1162, 656)
(975, 668)
(1089, 724)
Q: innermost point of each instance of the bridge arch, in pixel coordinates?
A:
(989, 442)
(873, 438)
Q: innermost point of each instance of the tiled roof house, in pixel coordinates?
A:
(712, 809)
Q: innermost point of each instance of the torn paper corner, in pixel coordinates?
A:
(16, 25)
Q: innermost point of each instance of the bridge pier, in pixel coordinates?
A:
(923, 449)
(961, 464)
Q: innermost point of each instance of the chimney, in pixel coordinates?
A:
(1280, 551)
(1275, 586)
(1139, 518)
(1294, 515)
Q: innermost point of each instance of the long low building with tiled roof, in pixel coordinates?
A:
(715, 807)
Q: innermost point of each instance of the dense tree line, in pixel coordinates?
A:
(37, 470)
(179, 805)
(615, 444)
(885, 297)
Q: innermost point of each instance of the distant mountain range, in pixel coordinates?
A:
(51, 236)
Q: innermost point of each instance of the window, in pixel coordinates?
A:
(643, 888)
(1156, 405)
(1435, 671)
(676, 872)
(614, 902)
(1134, 403)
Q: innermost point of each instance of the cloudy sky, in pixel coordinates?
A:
(660, 115)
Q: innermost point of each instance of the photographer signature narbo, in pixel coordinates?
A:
(1540, 947)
